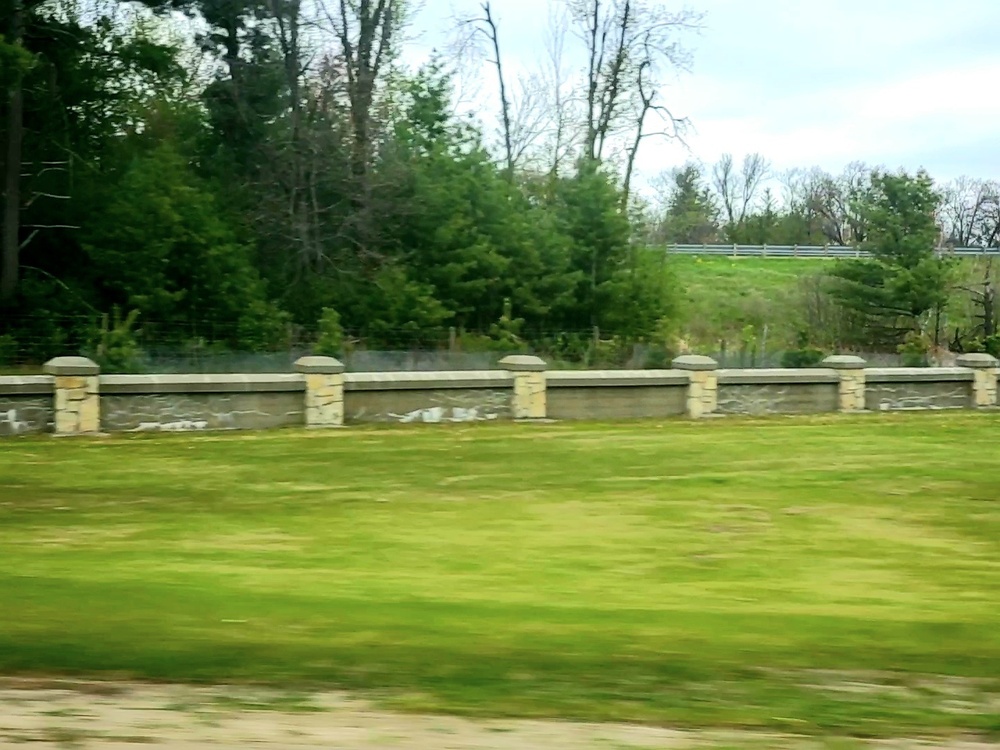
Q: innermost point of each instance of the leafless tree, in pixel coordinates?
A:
(525, 111)
(970, 217)
(974, 298)
(674, 127)
(366, 35)
(531, 119)
(485, 26)
(726, 184)
(560, 102)
(365, 30)
(835, 201)
(629, 45)
(738, 190)
(290, 165)
(796, 198)
(546, 109)
(970, 213)
(795, 188)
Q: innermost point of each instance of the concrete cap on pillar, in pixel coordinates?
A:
(523, 363)
(71, 366)
(319, 365)
(844, 362)
(695, 362)
(978, 361)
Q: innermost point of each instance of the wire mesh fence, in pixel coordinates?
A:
(26, 342)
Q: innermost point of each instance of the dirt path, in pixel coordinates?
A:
(117, 716)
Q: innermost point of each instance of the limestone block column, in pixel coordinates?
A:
(703, 387)
(852, 380)
(529, 385)
(985, 369)
(77, 395)
(324, 391)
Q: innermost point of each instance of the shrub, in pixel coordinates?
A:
(507, 331)
(114, 345)
(806, 357)
(504, 336)
(991, 345)
(263, 326)
(914, 350)
(658, 357)
(330, 341)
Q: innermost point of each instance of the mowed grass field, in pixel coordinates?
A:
(827, 575)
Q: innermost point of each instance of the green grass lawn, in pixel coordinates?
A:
(834, 575)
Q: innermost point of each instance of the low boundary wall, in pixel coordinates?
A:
(73, 398)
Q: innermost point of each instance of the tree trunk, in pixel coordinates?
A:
(633, 151)
(504, 101)
(989, 310)
(593, 76)
(12, 178)
(363, 58)
(640, 125)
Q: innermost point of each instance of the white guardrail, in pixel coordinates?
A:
(806, 251)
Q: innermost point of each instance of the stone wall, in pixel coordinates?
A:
(432, 397)
(778, 391)
(74, 399)
(26, 405)
(905, 388)
(178, 403)
(610, 394)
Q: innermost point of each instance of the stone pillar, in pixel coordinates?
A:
(324, 391)
(703, 388)
(77, 393)
(852, 381)
(985, 369)
(529, 385)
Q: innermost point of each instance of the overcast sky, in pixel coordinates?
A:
(900, 83)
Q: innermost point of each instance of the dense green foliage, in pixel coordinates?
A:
(225, 212)
(256, 187)
(828, 575)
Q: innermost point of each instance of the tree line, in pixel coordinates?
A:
(279, 167)
(261, 174)
(748, 203)
(901, 298)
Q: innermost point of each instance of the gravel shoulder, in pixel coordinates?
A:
(43, 714)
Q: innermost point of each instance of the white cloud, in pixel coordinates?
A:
(902, 84)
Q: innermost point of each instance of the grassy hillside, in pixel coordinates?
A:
(722, 296)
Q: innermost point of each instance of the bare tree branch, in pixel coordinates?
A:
(676, 127)
(970, 213)
(628, 43)
(486, 26)
(737, 191)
